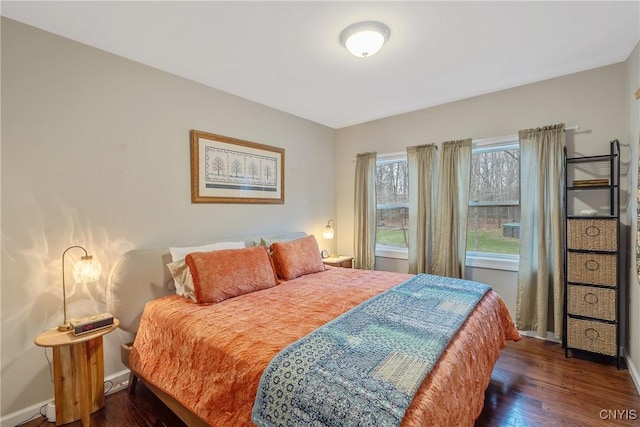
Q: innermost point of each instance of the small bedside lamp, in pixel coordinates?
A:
(86, 270)
(328, 233)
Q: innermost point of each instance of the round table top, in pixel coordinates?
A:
(54, 337)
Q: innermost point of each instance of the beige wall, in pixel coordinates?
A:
(594, 100)
(95, 151)
(633, 136)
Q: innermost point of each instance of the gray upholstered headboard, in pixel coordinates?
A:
(141, 275)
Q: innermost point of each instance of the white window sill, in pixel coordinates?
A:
(474, 259)
(385, 251)
(493, 261)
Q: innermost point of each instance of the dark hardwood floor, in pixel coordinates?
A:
(532, 385)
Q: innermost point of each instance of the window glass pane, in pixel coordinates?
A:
(494, 211)
(494, 229)
(392, 192)
(495, 176)
(393, 225)
(392, 181)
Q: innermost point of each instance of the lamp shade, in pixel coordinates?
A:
(87, 270)
(364, 39)
(328, 232)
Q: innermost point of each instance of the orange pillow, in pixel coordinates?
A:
(228, 273)
(297, 257)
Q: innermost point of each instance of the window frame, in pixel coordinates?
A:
(490, 260)
(382, 250)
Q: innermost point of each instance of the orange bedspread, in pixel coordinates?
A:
(210, 358)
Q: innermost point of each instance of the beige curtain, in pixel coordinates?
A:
(540, 293)
(420, 161)
(365, 212)
(450, 250)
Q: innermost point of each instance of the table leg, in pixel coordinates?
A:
(78, 371)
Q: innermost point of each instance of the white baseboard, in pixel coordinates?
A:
(23, 415)
(633, 371)
(120, 380)
(533, 334)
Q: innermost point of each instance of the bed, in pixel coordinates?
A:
(206, 361)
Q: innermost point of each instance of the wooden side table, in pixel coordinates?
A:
(78, 372)
(339, 261)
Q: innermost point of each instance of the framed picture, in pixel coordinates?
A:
(229, 170)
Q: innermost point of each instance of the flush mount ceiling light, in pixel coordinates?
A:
(364, 39)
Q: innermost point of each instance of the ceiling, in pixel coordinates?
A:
(287, 55)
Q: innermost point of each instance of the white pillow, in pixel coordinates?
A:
(181, 253)
(182, 279)
(180, 271)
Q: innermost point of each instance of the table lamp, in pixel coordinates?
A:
(328, 233)
(86, 270)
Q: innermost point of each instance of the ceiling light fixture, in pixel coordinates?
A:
(364, 39)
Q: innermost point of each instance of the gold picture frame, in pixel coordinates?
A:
(230, 170)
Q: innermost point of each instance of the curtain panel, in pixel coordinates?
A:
(422, 173)
(365, 212)
(540, 292)
(450, 250)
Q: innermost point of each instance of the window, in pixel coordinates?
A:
(392, 196)
(493, 227)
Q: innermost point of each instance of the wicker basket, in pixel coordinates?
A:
(592, 269)
(592, 234)
(592, 336)
(592, 302)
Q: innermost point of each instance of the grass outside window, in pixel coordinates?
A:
(489, 241)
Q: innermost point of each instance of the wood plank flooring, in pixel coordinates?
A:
(532, 385)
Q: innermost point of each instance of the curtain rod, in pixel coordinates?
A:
(507, 138)
(476, 141)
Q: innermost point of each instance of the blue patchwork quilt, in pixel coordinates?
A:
(364, 367)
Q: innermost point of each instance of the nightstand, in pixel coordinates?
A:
(78, 372)
(339, 261)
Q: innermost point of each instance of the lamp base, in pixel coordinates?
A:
(65, 327)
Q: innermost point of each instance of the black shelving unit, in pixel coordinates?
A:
(592, 298)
